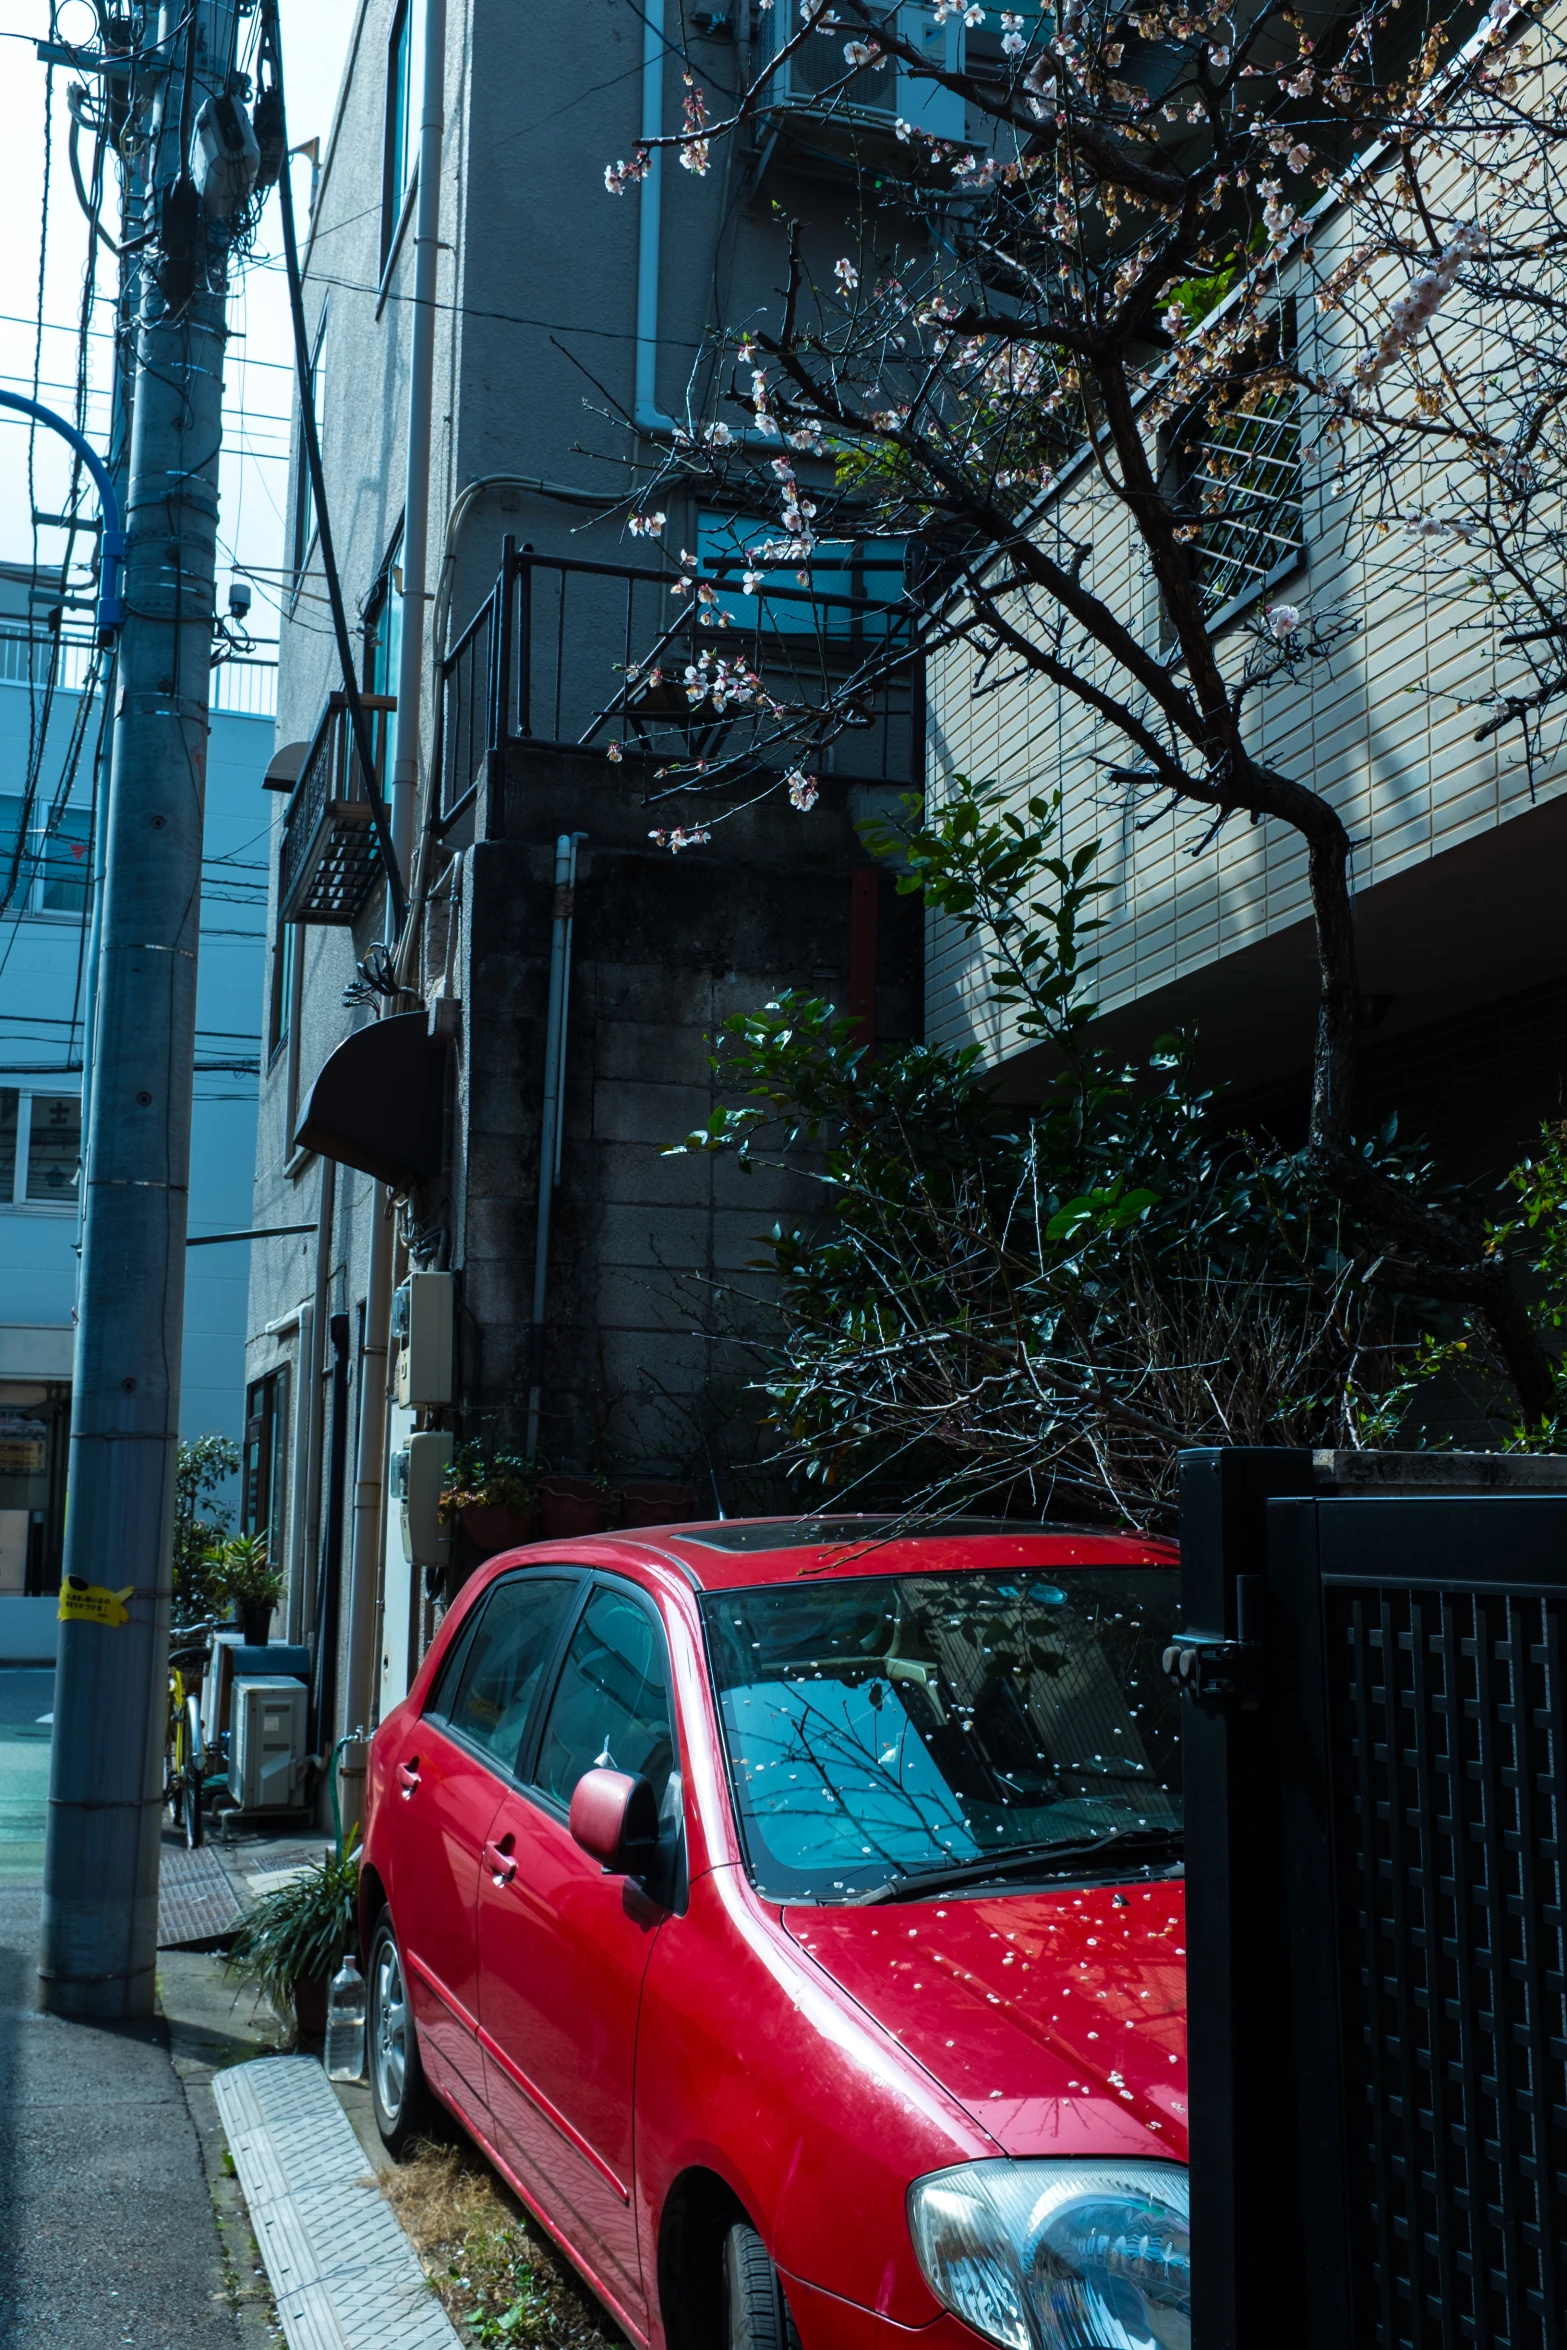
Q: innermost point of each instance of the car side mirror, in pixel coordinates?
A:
(615, 1818)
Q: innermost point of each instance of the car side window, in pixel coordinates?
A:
(439, 1702)
(511, 1645)
(611, 1703)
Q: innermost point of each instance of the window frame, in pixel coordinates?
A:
(399, 161)
(38, 868)
(264, 1457)
(448, 1679)
(18, 1202)
(1177, 473)
(304, 522)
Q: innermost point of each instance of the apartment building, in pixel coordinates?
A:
(573, 338)
(1457, 844)
(50, 726)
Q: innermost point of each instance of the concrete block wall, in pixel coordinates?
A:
(652, 1289)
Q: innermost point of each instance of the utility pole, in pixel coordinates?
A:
(100, 1905)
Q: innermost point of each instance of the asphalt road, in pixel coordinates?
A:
(108, 2234)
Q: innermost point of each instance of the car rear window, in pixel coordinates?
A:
(889, 1725)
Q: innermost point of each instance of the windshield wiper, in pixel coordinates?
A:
(1027, 1860)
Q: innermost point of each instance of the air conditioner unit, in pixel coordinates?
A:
(806, 84)
(267, 1743)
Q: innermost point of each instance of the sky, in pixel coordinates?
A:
(42, 267)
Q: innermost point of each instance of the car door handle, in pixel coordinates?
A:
(499, 1860)
(408, 1777)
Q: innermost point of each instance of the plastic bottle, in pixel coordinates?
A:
(345, 2023)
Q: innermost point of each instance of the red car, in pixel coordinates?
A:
(793, 1912)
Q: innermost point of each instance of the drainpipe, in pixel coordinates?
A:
(361, 1679)
(303, 1618)
(364, 1573)
(648, 417)
(553, 1117)
(421, 386)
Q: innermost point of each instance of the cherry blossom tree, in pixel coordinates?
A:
(1105, 287)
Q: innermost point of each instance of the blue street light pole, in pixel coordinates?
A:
(112, 560)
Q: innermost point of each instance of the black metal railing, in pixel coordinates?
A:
(330, 854)
(748, 677)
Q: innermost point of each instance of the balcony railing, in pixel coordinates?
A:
(571, 655)
(330, 855)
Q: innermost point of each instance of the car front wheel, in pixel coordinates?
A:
(397, 2089)
(759, 2316)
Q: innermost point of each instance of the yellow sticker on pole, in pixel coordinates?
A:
(93, 1603)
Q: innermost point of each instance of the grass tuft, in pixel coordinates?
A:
(498, 2277)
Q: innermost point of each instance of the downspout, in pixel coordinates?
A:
(648, 416)
(553, 1113)
(303, 1606)
(367, 1565)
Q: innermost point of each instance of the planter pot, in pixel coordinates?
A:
(490, 1527)
(656, 1503)
(310, 2008)
(255, 1618)
(571, 1505)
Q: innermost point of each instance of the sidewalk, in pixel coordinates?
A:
(109, 2230)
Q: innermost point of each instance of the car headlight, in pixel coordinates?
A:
(1052, 2255)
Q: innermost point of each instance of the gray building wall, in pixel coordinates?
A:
(535, 378)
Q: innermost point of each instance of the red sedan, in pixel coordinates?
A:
(793, 1912)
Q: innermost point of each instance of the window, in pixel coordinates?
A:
(888, 1725)
(1238, 465)
(52, 859)
(40, 1148)
(285, 946)
(506, 1656)
(304, 518)
(403, 78)
(384, 627)
(265, 1451)
(611, 1704)
(868, 569)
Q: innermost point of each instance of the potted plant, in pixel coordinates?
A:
(492, 1500)
(238, 1573)
(573, 1505)
(293, 1941)
(657, 1501)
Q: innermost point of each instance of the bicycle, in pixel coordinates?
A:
(184, 1745)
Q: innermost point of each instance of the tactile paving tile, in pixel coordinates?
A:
(343, 2274)
(196, 1900)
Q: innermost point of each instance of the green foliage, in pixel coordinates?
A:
(1048, 1303)
(201, 1468)
(478, 1479)
(238, 1575)
(299, 1933)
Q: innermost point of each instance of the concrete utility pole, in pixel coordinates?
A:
(105, 1797)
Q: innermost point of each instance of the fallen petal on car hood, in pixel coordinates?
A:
(1058, 2020)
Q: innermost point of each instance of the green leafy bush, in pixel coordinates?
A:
(299, 1933)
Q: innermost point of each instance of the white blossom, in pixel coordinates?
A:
(1218, 59)
(1013, 44)
(1283, 620)
(1174, 320)
(858, 53)
(618, 177)
(752, 581)
(694, 836)
(614, 754)
(718, 436)
(846, 274)
(646, 526)
(803, 790)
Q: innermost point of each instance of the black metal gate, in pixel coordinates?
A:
(1377, 1801)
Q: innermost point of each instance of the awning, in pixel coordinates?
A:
(379, 1103)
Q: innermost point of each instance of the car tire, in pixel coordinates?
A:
(397, 2091)
(759, 2317)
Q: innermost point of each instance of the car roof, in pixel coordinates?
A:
(731, 1553)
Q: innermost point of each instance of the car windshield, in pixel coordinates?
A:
(891, 1725)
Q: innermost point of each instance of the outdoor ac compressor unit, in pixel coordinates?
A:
(267, 1743)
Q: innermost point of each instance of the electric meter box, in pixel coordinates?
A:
(425, 1311)
(267, 1742)
(418, 1479)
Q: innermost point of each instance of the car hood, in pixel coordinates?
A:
(1056, 2019)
